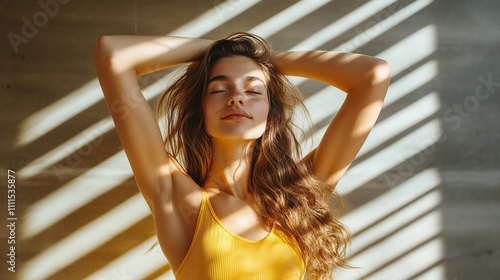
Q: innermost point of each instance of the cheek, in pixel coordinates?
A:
(261, 109)
(211, 107)
(208, 108)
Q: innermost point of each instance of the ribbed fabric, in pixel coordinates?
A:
(218, 254)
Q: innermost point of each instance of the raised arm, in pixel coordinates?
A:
(119, 60)
(365, 79)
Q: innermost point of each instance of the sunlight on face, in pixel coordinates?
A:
(236, 103)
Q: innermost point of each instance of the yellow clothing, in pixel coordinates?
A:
(218, 254)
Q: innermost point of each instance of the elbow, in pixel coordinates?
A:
(380, 72)
(109, 55)
(106, 55)
(102, 56)
(106, 48)
(102, 48)
(376, 78)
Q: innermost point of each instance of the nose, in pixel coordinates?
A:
(236, 97)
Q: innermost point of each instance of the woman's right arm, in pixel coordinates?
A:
(119, 60)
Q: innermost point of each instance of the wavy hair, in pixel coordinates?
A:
(284, 188)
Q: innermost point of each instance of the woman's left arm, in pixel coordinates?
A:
(365, 79)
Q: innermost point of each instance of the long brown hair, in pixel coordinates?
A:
(284, 188)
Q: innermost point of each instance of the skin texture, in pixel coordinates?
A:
(239, 84)
(236, 83)
(173, 197)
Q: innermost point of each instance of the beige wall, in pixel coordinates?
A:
(422, 197)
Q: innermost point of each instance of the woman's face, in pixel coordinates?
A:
(236, 104)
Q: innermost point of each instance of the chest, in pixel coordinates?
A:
(233, 258)
(218, 253)
(237, 216)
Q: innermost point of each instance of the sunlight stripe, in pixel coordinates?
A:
(391, 156)
(419, 184)
(287, 16)
(411, 82)
(342, 25)
(75, 194)
(90, 137)
(86, 239)
(57, 113)
(383, 26)
(401, 120)
(67, 107)
(137, 263)
(213, 18)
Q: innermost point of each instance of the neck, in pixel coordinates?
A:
(230, 166)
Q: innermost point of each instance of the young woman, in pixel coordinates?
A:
(230, 196)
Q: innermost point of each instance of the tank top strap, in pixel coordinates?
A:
(204, 201)
(203, 192)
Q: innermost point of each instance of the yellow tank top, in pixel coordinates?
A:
(218, 254)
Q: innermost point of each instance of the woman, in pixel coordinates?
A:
(231, 198)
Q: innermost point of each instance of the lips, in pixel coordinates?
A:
(236, 114)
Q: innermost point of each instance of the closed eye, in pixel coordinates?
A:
(254, 92)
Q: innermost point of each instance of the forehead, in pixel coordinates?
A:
(237, 67)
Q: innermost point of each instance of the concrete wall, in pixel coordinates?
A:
(422, 198)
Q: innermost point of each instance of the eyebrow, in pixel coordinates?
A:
(226, 78)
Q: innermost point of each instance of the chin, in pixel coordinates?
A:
(234, 137)
(243, 134)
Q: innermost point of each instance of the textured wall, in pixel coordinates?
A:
(422, 198)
